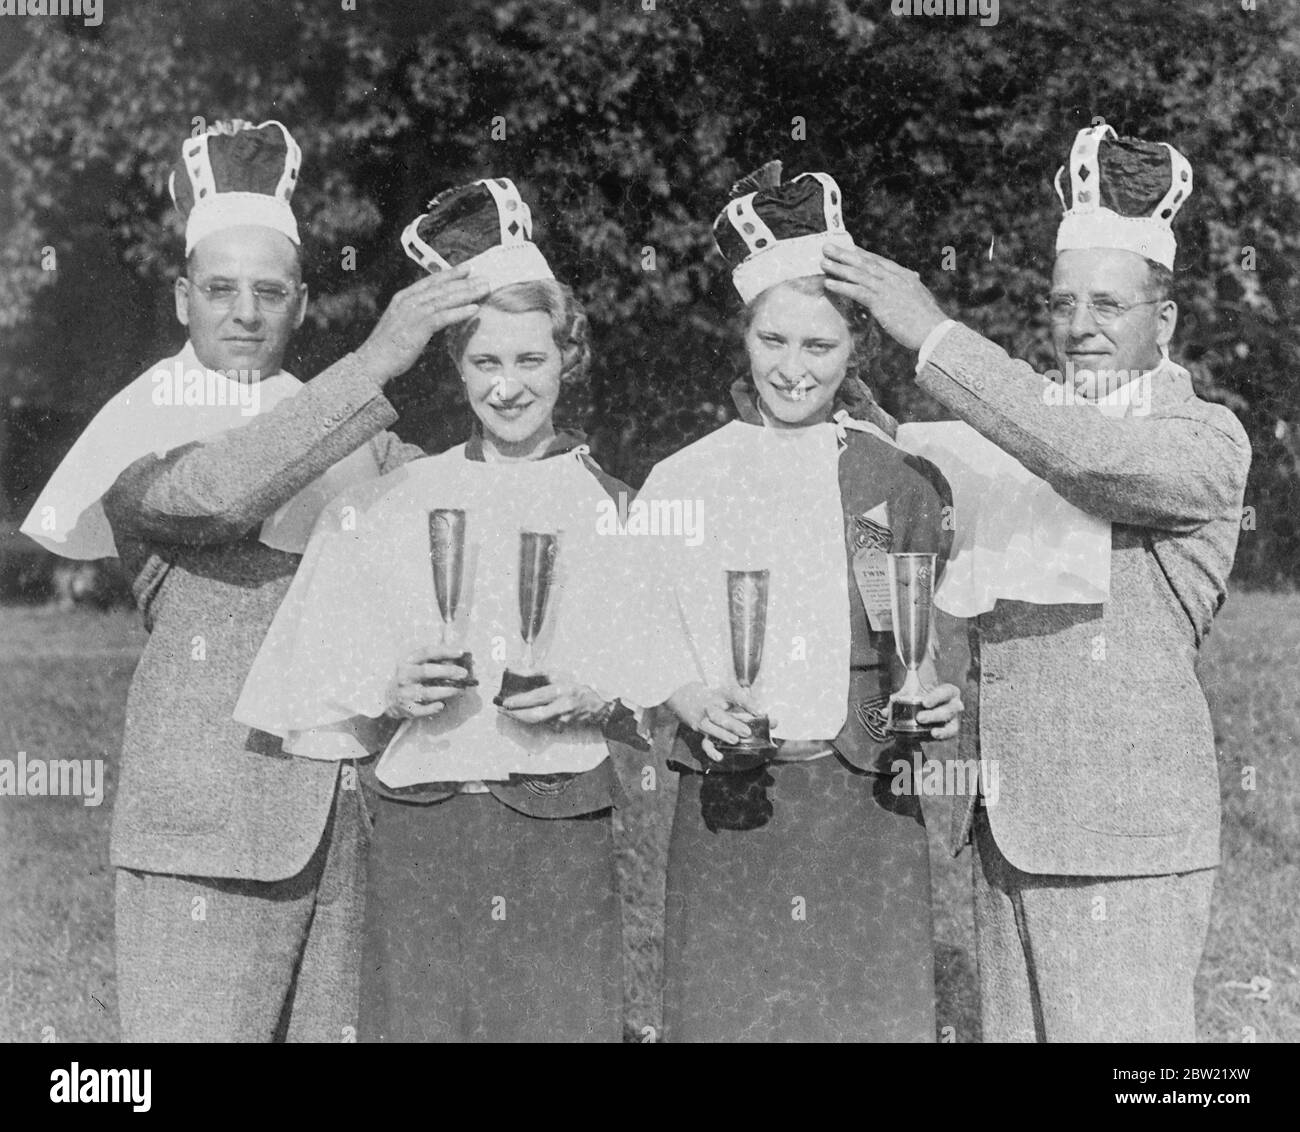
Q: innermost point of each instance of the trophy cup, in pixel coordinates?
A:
(911, 600)
(747, 615)
(537, 554)
(447, 557)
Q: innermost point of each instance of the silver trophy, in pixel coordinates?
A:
(911, 600)
(447, 558)
(747, 619)
(538, 551)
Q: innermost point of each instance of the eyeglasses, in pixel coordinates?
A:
(1061, 308)
(273, 300)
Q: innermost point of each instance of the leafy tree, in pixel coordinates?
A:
(625, 128)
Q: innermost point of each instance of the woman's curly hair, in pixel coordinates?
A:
(569, 326)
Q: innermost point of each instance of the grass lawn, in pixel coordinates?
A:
(63, 679)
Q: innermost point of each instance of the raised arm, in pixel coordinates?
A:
(1174, 470)
(217, 490)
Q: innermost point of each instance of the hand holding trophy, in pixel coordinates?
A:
(447, 557)
(747, 619)
(911, 599)
(538, 551)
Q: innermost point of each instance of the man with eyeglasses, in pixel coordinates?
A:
(1095, 863)
(239, 868)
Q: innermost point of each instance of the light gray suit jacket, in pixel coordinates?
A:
(1094, 713)
(198, 793)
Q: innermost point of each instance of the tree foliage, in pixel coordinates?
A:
(625, 128)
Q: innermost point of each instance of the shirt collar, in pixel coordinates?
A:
(1166, 383)
(746, 401)
(564, 440)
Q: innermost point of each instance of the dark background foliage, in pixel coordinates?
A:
(624, 128)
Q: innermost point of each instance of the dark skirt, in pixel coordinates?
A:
(814, 925)
(483, 924)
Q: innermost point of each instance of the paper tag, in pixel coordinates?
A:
(872, 541)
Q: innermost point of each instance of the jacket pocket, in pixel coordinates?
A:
(1154, 789)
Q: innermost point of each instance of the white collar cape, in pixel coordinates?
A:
(173, 403)
(363, 600)
(1015, 537)
(767, 499)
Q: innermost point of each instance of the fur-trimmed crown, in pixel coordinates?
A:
(1123, 193)
(771, 232)
(234, 174)
(486, 225)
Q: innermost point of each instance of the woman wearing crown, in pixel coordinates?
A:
(798, 899)
(492, 911)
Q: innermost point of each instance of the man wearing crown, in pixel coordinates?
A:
(1093, 869)
(239, 882)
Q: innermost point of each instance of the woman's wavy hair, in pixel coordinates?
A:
(569, 326)
(855, 393)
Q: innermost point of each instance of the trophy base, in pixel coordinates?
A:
(513, 683)
(903, 723)
(748, 754)
(465, 661)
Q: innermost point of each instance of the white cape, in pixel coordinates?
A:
(68, 516)
(768, 499)
(363, 600)
(1014, 536)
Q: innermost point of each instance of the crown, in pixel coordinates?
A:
(1124, 193)
(485, 225)
(236, 173)
(771, 232)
